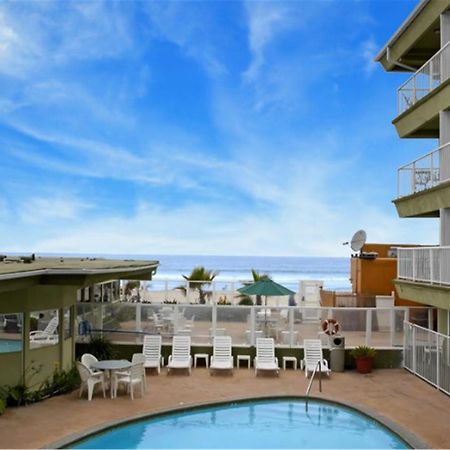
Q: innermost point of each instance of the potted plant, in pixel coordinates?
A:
(364, 357)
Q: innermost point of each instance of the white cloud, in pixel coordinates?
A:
(368, 51)
(194, 36)
(54, 208)
(265, 21)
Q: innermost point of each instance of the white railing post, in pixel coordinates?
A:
(414, 355)
(138, 307)
(175, 319)
(414, 90)
(291, 325)
(214, 291)
(406, 340)
(102, 317)
(368, 327)
(431, 265)
(438, 375)
(430, 81)
(413, 178)
(392, 326)
(214, 318)
(414, 270)
(252, 325)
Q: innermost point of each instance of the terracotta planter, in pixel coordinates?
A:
(364, 364)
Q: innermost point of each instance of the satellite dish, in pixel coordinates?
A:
(358, 240)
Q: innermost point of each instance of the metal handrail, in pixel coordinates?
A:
(413, 80)
(308, 389)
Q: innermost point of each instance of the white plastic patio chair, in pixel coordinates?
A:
(151, 349)
(181, 354)
(312, 355)
(47, 336)
(265, 355)
(222, 358)
(139, 358)
(133, 377)
(87, 359)
(89, 379)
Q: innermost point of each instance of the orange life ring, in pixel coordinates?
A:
(330, 327)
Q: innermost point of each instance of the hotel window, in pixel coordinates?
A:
(11, 329)
(44, 328)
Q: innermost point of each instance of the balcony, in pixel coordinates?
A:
(423, 185)
(423, 275)
(425, 80)
(424, 264)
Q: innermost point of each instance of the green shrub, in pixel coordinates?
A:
(100, 347)
(61, 382)
(246, 301)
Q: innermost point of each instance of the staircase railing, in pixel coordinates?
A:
(308, 389)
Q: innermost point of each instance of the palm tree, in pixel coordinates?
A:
(197, 279)
(257, 276)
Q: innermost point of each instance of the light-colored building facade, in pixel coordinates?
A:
(421, 46)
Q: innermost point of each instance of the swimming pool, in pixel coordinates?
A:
(282, 423)
(10, 345)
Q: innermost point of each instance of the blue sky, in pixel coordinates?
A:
(214, 127)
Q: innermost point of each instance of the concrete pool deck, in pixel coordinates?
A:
(393, 394)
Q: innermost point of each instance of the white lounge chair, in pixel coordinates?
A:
(222, 358)
(181, 353)
(47, 336)
(152, 352)
(89, 379)
(312, 355)
(265, 355)
(133, 377)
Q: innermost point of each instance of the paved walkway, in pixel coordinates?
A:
(393, 394)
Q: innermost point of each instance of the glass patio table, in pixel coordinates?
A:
(110, 366)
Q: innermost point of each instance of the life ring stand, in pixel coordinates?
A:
(330, 327)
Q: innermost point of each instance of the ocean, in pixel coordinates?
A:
(334, 272)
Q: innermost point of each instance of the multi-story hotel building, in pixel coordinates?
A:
(421, 46)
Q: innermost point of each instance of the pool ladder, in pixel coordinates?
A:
(308, 389)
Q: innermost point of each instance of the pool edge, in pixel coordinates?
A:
(410, 438)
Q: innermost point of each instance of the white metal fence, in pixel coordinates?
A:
(427, 355)
(424, 264)
(424, 172)
(427, 78)
(127, 323)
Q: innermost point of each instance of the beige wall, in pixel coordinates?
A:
(15, 366)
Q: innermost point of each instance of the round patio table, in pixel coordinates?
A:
(109, 366)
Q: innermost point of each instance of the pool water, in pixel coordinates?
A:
(10, 345)
(253, 424)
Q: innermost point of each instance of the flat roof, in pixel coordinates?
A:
(402, 28)
(13, 267)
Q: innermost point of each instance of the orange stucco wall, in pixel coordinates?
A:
(375, 276)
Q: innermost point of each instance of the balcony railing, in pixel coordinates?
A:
(426, 354)
(427, 78)
(424, 264)
(424, 172)
(127, 323)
